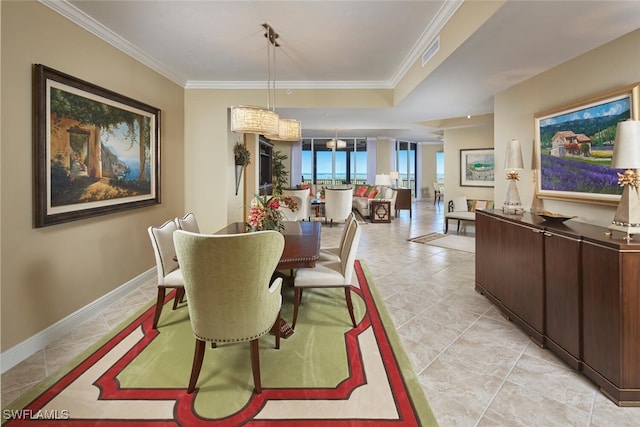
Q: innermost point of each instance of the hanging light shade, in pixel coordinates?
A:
(336, 143)
(288, 130)
(251, 119)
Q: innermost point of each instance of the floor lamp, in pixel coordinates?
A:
(626, 155)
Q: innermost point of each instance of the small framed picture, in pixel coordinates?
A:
(477, 168)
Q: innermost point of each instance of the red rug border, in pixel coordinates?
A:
(184, 406)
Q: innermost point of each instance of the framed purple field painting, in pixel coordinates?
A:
(574, 146)
(95, 152)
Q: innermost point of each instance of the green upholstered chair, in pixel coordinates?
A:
(169, 273)
(227, 280)
(330, 273)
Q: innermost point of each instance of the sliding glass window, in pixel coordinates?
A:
(406, 159)
(325, 166)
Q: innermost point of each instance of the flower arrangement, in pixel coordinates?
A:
(241, 154)
(265, 214)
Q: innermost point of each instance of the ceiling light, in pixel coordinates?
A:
(336, 143)
(287, 129)
(253, 119)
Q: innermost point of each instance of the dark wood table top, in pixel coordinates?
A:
(301, 243)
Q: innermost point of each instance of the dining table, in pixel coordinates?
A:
(301, 242)
(301, 250)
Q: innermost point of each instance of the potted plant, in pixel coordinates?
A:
(280, 173)
(242, 157)
(241, 154)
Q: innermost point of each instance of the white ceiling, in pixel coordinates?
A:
(354, 44)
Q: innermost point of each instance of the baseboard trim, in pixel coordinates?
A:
(20, 352)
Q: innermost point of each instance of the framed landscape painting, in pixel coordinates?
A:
(574, 148)
(95, 152)
(477, 168)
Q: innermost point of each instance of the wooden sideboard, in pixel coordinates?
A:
(572, 287)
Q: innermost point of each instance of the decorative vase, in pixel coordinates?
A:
(239, 169)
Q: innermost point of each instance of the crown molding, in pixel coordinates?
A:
(428, 36)
(80, 18)
(75, 15)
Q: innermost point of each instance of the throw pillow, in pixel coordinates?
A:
(360, 190)
(370, 188)
(309, 186)
(388, 194)
(460, 204)
(479, 204)
(373, 194)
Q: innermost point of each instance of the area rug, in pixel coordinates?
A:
(326, 373)
(449, 241)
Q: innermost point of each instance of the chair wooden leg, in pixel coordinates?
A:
(198, 356)
(178, 297)
(446, 225)
(278, 325)
(458, 226)
(347, 295)
(297, 296)
(159, 304)
(255, 365)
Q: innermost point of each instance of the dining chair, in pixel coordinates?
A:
(438, 192)
(297, 215)
(337, 204)
(333, 253)
(232, 298)
(330, 274)
(188, 223)
(303, 204)
(169, 272)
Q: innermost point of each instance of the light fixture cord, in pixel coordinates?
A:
(267, 35)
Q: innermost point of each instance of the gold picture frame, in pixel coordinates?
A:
(574, 145)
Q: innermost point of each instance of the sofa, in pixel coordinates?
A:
(364, 194)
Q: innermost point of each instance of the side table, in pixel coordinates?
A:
(380, 211)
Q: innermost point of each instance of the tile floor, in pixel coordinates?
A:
(476, 368)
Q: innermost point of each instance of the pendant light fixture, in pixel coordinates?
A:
(288, 129)
(336, 143)
(253, 119)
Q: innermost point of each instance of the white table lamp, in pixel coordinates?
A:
(626, 155)
(383, 180)
(513, 164)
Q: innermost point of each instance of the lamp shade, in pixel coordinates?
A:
(250, 119)
(383, 180)
(336, 144)
(626, 150)
(394, 176)
(288, 130)
(514, 156)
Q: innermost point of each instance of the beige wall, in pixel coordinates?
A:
(429, 169)
(614, 65)
(48, 273)
(210, 177)
(465, 138)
